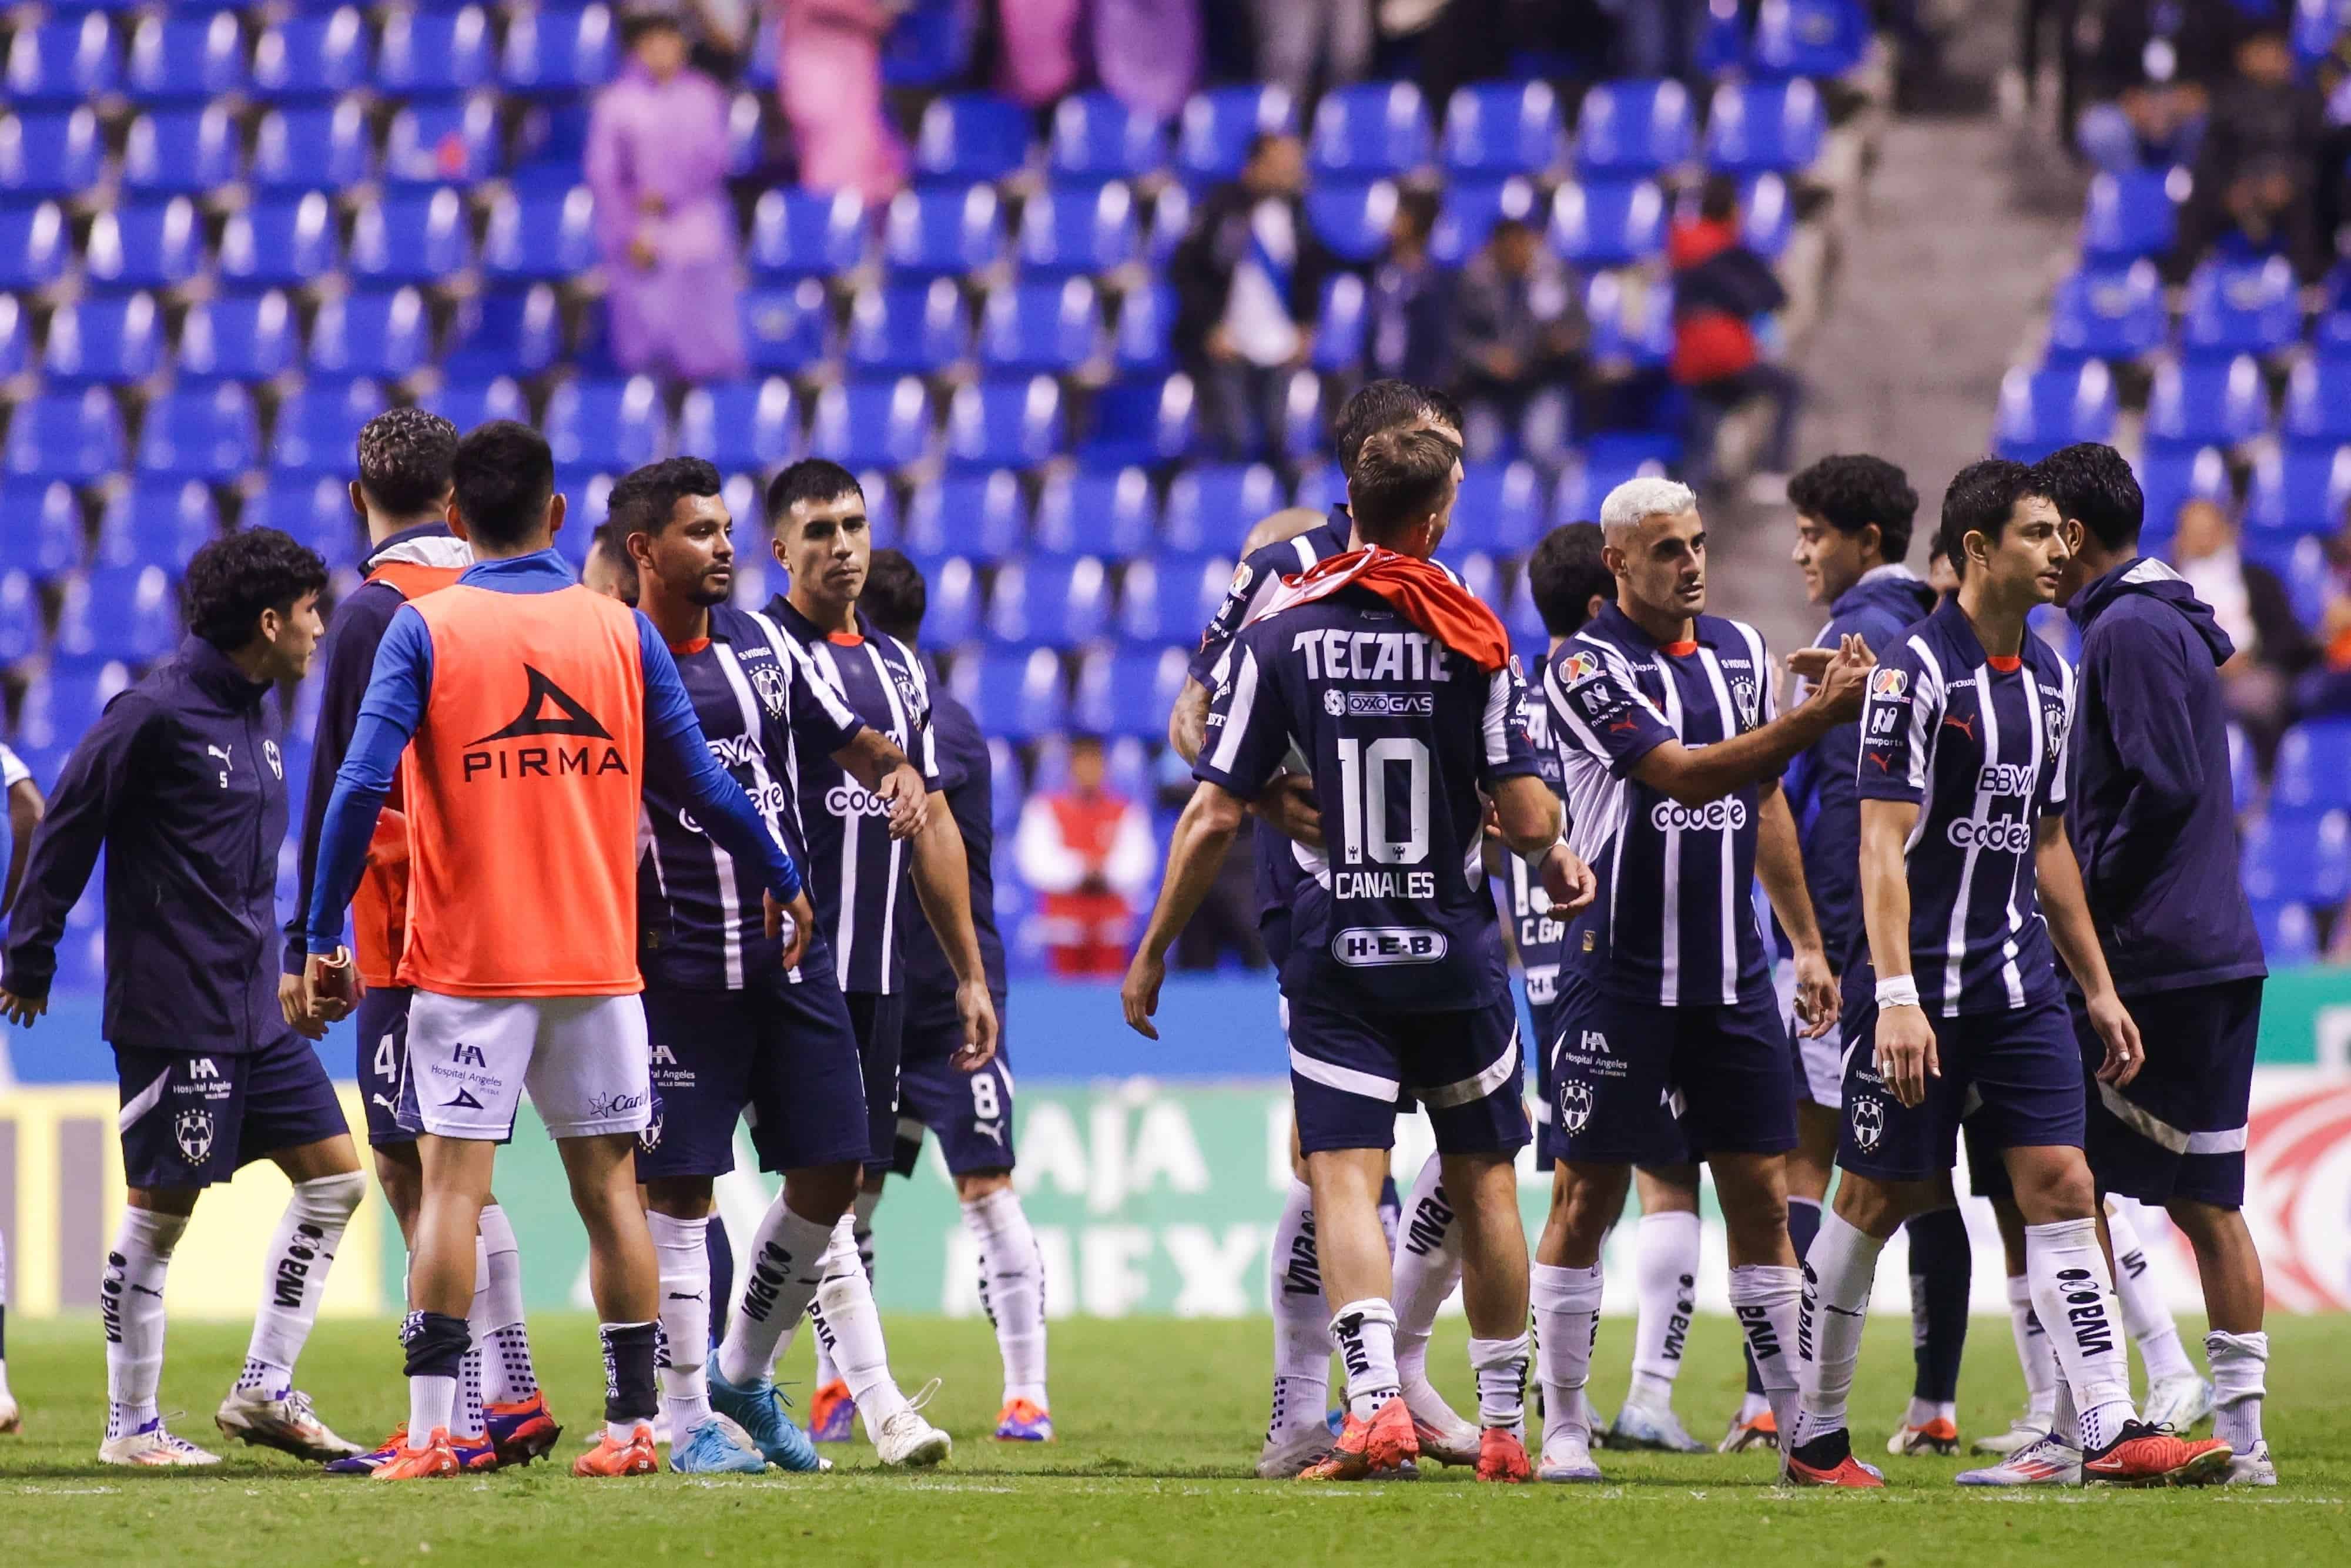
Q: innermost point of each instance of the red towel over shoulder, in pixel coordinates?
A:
(1418, 589)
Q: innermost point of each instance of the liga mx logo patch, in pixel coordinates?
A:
(1579, 667)
(1868, 1121)
(193, 1131)
(1888, 683)
(769, 682)
(1574, 1107)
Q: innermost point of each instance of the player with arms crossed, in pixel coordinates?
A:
(1398, 686)
(1963, 777)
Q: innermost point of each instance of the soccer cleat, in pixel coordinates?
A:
(1385, 1445)
(1760, 1431)
(634, 1458)
(1024, 1421)
(1283, 1457)
(832, 1414)
(153, 1447)
(758, 1409)
(522, 1430)
(2253, 1469)
(716, 1447)
(12, 1420)
(1567, 1457)
(2042, 1462)
(1827, 1461)
(1937, 1436)
(285, 1422)
(909, 1441)
(374, 1458)
(2022, 1433)
(1638, 1427)
(1442, 1435)
(2144, 1456)
(436, 1459)
(2181, 1404)
(1502, 1457)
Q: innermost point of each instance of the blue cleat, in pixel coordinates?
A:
(832, 1413)
(373, 1460)
(758, 1409)
(717, 1448)
(1023, 1421)
(1639, 1427)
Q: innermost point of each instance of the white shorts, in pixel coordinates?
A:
(1820, 1063)
(583, 1059)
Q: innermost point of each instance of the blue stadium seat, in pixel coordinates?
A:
(502, 331)
(116, 612)
(64, 702)
(1808, 37)
(1012, 421)
(281, 241)
(1123, 694)
(1722, 48)
(587, 493)
(1767, 215)
(981, 516)
(16, 350)
(929, 44)
(2206, 403)
(1495, 129)
(411, 236)
(541, 235)
(942, 230)
(1634, 127)
(312, 57)
(2299, 561)
(1755, 126)
(49, 154)
(1147, 420)
(237, 338)
(1470, 210)
(1502, 509)
(313, 147)
(317, 428)
(109, 339)
(2106, 313)
(1339, 331)
(1351, 217)
(1171, 215)
(452, 143)
(618, 424)
(1213, 138)
(967, 136)
(73, 435)
(1143, 344)
(157, 521)
(380, 335)
(144, 245)
(2130, 215)
(1050, 327)
(2318, 403)
(952, 616)
(2040, 411)
(33, 245)
(1169, 598)
(741, 425)
(2300, 855)
(1298, 429)
(1369, 129)
(553, 49)
(62, 63)
(2288, 933)
(1612, 223)
(186, 59)
(747, 136)
(40, 527)
(1211, 506)
(426, 54)
(787, 331)
(1078, 229)
(2299, 491)
(1321, 487)
(1016, 695)
(20, 635)
(468, 404)
(2241, 308)
(1528, 636)
(2314, 765)
(1048, 603)
(314, 509)
(807, 233)
(1111, 513)
(1585, 481)
(1097, 137)
(2244, 776)
(200, 434)
(907, 327)
(181, 153)
(879, 424)
(2168, 480)
(1629, 325)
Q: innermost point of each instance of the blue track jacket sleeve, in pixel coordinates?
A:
(389, 715)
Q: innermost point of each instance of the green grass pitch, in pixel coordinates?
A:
(1160, 1423)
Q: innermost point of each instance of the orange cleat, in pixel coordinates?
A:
(830, 1414)
(1502, 1456)
(438, 1457)
(521, 1429)
(1827, 1461)
(1024, 1421)
(1760, 1432)
(2144, 1456)
(1385, 1443)
(1940, 1436)
(634, 1458)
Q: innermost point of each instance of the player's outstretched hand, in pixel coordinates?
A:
(1905, 1053)
(332, 984)
(910, 804)
(1845, 681)
(1290, 805)
(1570, 883)
(294, 1003)
(2125, 1053)
(22, 1011)
(1809, 664)
(1139, 992)
(1818, 1000)
(791, 922)
(977, 1010)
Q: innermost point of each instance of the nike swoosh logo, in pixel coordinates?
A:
(145, 1292)
(1843, 1312)
(677, 1296)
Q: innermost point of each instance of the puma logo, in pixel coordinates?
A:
(1966, 727)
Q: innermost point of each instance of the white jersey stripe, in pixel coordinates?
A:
(1244, 705)
(1956, 948)
(1728, 858)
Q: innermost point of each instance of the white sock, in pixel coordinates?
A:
(1427, 1268)
(2239, 1364)
(682, 1249)
(849, 1326)
(1927, 1412)
(1567, 1319)
(1768, 1301)
(2033, 1352)
(294, 1277)
(2065, 1422)
(130, 1304)
(780, 1275)
(431, 1407)
(472, 1368)
(2075, 1298)
(861, 1209)
(1665, 1275)
(1837, 1274)
(4, 1317)
(507, 1375)
(1501, 1368)
(1013, 1270)
(1302, 1322)
(2145, 1316)
(1366, 1333)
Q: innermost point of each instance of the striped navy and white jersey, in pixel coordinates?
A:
(701, 919)
(1979, 744)
(1400, 735)
(860, 871)
(1542, 936)
(1673, 923)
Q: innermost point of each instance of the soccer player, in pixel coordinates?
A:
(1399, 687)
(816, 511)
(1963, 778)
(608, 571)
(516, 706)
(1671, 752)
(182, 782)
(2149, 817)
(970, 1113)
(728, 1026)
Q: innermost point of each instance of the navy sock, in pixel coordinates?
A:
(722, 1279)
(433, 1343)
(629, 1394)
(1940, 1265)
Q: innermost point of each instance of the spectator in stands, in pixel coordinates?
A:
(2324, 688)
(1037, 51)
(1405, 327)
(828, 79)
(1147, 52)
(1248, 286)
(2253, 608)
(1657, 37)
(1309, 45)
(2257, 165)
(1517, 323)
(657, 164)
(1720, 287)
(1089, 852)
(2148, 70)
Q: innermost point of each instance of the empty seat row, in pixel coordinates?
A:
(2118, 312)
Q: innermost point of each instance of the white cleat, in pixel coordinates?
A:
(2044, 1462)
(153, 1447)
(909, 1441)
(289, 1425)
(1567, 1457)
(12, 1420)
(1640, 1427)
(1285, 1455)
(1444, 1436)
(2178, 1403)
(2022, 1433)
(2253, 1469)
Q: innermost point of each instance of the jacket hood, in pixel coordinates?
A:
(1896, 589)
(2150, 579)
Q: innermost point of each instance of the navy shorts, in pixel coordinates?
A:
(1987, 1169)
(880, 1024)
(1352, 1068)
(190, 1119)
(2014, 1076)
(1633, 1083)
(2177, 1130)
(784, 1052)
(970, 1112)
(382, 1021)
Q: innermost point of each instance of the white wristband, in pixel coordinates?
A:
(1898, 991)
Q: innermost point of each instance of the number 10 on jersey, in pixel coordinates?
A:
(1364, 825)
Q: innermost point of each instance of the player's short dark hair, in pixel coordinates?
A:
(1981, 496)
(1400, 475)
(231, 580)
(1383, 404)
(2093, 484)
(613, 541)
(405, 454)
(1564, 572)
(895, 597)
(504, 474)
(1849, 493)
(646, 499)
(811, 479)
(1443, 407)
